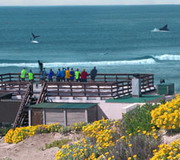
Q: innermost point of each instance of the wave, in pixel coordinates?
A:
(96, 63)
(145, 60)
(167, 57)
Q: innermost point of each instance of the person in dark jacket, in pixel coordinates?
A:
(58, 75)
(40, 66)
(93, 73)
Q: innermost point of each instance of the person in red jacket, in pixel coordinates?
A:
(84, 75)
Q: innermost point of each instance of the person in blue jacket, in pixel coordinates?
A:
(63, 74)
(50, 75)
(72, 74)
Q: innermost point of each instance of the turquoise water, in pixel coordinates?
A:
(115, 39)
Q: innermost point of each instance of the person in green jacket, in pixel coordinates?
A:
(30, 76)
(77, 75)
(23, 74)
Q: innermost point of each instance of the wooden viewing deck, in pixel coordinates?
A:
(106, 86)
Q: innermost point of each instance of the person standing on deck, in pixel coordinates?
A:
(93, 73)
(63, 74)
(31, 76)
(84, 75)
(23, 74)
(77, 75)
(43, 75)
(67, 74)
(72, 74)
(40, 66)
(50, 75)
(58, 75)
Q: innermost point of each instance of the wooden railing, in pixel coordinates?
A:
(103, 77)
(43, 94)
(83, 89)
(25, 101)
(16, 88)
(15, 77)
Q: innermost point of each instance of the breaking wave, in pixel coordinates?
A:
(146, 60)
(94, 63)
(168, 57)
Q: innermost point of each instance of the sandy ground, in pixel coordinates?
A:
(32, 148)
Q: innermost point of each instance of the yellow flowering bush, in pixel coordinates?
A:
(171, 151)
(167, 116)
(79, 150)
(102, 132)
(103, 140)
(20, 133)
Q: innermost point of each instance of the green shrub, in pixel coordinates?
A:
(138, 119)
(141, 145)
(58, 143)
(4, 130)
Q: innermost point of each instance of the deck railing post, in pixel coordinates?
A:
(71, 89)
(84, 89)
(105, 78)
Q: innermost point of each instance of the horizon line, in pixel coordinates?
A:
(87, 5)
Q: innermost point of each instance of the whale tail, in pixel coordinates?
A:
(34, 36)
(164, 28)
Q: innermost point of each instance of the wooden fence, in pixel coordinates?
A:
(102, 77)
(16, 88)
(83, 89)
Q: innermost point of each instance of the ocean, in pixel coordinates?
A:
(115, 39)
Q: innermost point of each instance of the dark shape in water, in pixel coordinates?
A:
(164, 28)
(34, 36)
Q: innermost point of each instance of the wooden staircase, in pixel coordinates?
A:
(22, 114)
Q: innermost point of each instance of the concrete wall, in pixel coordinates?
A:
(115, 110)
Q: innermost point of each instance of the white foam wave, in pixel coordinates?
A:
(168, 57)
(157, 30)
(98, 63)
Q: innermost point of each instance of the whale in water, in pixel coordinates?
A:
(162, 29)
(34, 37)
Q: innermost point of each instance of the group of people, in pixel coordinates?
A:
(62, 75)
(67, 74)
(24, 73)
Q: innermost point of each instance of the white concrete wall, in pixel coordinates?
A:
(115, 110)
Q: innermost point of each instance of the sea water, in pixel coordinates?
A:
(115, 39)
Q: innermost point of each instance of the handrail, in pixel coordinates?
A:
(23, 104)
(42, 94)
(90, 89)
(105, 77)
(17, 88)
